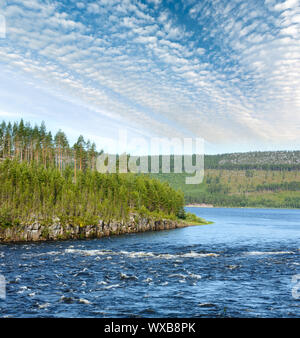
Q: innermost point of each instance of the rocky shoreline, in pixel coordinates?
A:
(36, 232)
(201, 205)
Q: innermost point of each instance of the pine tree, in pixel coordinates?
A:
(42, 178)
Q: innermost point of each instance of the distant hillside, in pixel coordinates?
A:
(264, 160)
(254, 179)
(269, 160)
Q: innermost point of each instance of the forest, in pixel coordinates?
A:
(22, 142)
(255, 160)
(240, 188)
(42, 177)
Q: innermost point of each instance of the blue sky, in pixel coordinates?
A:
(226, 71)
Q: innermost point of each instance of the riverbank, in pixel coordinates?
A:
(233, 207)
(36, 232)
(254, 251)
(201, 205)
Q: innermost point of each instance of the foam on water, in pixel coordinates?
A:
(49, 253)
(23, 289)
(222, 270)
(84, 301)
(140, 254)
(111, 286)
(195, 276)
(102, 283)
(89, 252)
(124, 276)
(179, 275)
(257, 253)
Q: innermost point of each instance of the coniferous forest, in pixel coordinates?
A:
(43, 177)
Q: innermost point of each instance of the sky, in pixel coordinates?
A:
(224, 71)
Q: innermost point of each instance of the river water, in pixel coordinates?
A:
(240, 266)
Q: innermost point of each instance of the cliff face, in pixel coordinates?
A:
(56, 231)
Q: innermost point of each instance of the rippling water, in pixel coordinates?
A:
(240, 266)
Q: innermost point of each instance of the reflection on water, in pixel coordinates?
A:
(240, 266)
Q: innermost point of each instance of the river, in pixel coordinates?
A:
(240, 266)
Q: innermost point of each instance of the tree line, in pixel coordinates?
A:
(271, 161)
(26, 143)
(285, 186)
(42, 177)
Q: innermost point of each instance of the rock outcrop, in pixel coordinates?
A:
(37, 232)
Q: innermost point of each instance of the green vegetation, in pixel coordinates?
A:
(257, 160)
(241, 188)
(22, 142)
(30, 191)
(42, 178)
(192, 219)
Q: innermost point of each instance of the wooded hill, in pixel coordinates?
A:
(42, 177)
(254, 179)
(262, 160)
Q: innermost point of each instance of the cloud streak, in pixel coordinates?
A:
(225, 71)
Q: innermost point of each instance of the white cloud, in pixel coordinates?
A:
(286, 5)
(227, 76)
(93, 8)
(4, 114)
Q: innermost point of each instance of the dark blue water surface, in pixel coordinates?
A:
(240, 266)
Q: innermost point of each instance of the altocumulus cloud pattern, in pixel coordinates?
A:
(222, 70)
